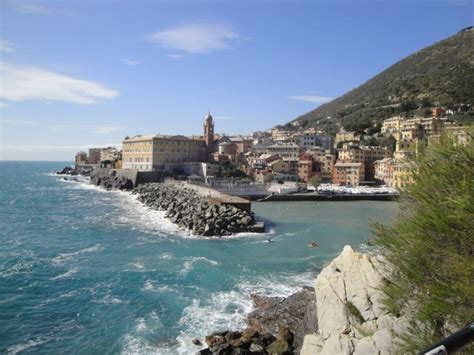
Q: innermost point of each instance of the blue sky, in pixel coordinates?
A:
(82, 73)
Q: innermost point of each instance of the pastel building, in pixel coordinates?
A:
(149, 153)
(351, 174)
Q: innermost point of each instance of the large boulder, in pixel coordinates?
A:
(351, 316)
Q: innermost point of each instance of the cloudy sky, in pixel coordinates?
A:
(75, 74)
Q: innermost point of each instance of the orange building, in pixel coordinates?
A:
(305, 167)
(351, 174)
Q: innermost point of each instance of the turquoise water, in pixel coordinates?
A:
(88, 271)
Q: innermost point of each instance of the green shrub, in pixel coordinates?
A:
(431, 245)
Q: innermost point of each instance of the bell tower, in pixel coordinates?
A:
(209, 133)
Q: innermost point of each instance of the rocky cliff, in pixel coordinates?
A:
(350, 315)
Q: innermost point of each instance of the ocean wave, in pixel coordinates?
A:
(66, 274)
(52, 335)
(189, 263)
(61, 258)
(166, 256)
(228, 310)
(145, 219)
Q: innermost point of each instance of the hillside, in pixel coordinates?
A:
(439, 75)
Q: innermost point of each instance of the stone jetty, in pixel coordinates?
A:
(196, 213)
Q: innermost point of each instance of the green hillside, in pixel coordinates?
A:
(439, 75)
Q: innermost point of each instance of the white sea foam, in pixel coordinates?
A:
(61, 258)
(166, 256)
(15, 349)
(149, 286)
(66, 274)
(225, 310)
(146, 219)
(189, 263)
(139, 266)
(228, 310)
(52, 335)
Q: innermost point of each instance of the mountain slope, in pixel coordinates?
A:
(439, 75)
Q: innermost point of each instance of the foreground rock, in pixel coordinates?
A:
(296, 313)
(249, 341)
(351, 317)
(189, 210)
(277, 325)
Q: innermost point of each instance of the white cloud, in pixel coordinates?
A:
(315, 99)
(39, 9)
(17, 122)
(32, 83)
(58, 147)
(128, 61)
(3, 105)
(32, 8)
(196, 38)
(175, 56)
(6, 46)
(106, 129)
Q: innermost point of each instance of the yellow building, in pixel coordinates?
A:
(402, 174)
(346, 136)
(279, 166)
(148, 153)
(392, 125)
(365, 155)
(457, 133)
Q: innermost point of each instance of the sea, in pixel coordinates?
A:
(89, 271)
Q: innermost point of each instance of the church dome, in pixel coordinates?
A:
(208, 117)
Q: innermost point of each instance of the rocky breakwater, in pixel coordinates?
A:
(277, 325)
(78, 170)
(193, 212)
(351, 317)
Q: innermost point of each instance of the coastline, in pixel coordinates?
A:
(202, 313)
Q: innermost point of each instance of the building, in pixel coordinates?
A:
(243, 144)
(363, 154)
(391, 125)
(309, 139)
(80, 159)
(326, 165)
(416, 127)
(350, 174)
(209, 134)
(437, 111)
(457, 133)
(402, 174)
(346, 136)
(149, 153)
(384, 171)
(109, 154)
(305, 167)
(94, 155)
(279, 166)
(285, 150)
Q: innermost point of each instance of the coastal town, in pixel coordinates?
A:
(281, 161)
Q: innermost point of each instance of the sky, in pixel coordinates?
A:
(76, 74)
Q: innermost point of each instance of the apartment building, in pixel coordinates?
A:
(285, 150)
(148, 153)
(351, 174)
